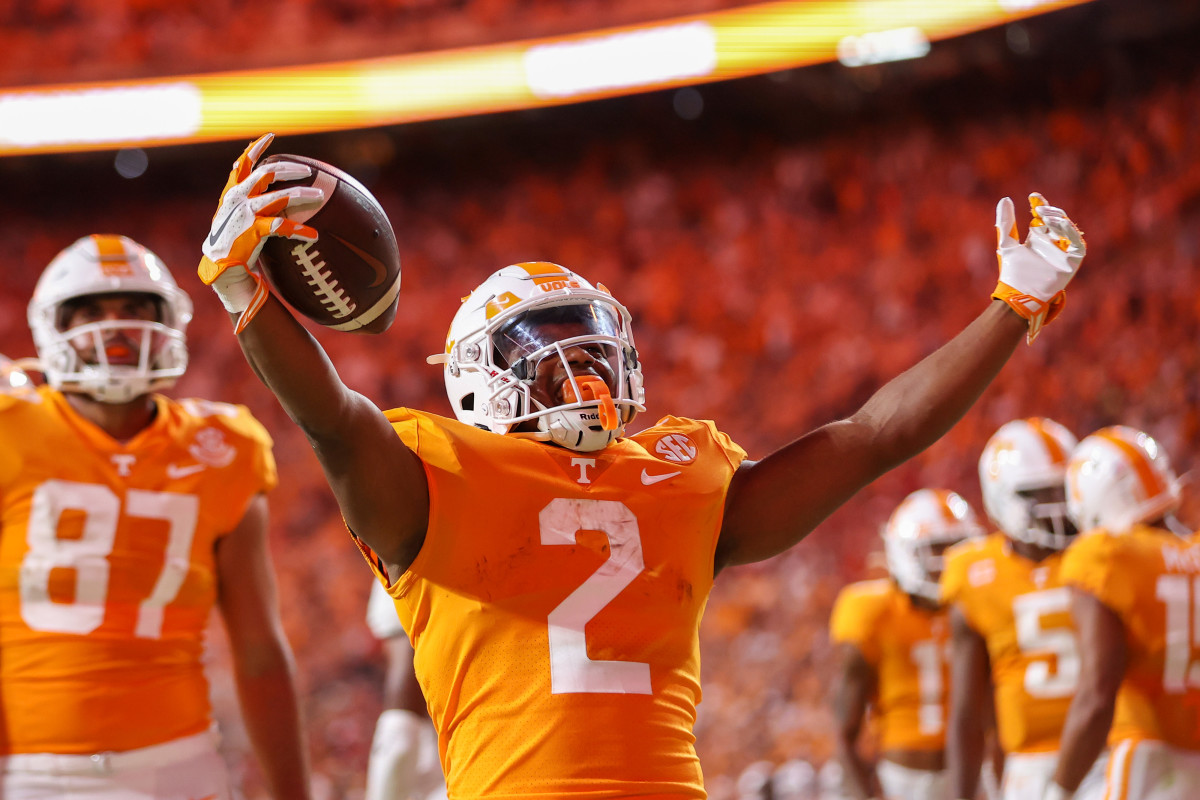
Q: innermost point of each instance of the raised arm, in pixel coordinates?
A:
(378, 482)
(776, 502)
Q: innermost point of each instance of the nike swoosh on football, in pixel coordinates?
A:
(174, 471)
(215, 235)
(375, 263)
(650, 480)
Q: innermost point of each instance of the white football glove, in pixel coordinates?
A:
(244, 218)
(1034, 275)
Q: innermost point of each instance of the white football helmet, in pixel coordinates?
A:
(520, 326)
(1118, 477)
(1023, 457)
(921, 527)
(105, 264)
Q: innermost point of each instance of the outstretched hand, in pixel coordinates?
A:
(246, 215)
(1034, 275)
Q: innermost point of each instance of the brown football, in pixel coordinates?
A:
(349, 279)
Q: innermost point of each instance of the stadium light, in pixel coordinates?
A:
(747, 40)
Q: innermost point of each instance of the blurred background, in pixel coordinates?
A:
(786, 243)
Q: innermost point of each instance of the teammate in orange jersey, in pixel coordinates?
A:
(124, 517)
(550, 570)
(893, 639)
(404, 753)
(1136, 603)
(1014, 653)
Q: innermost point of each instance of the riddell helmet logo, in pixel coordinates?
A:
(677, 448)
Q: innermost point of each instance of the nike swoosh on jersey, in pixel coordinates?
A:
(372, 261)
(175, 472)
(650, 480)
(215, 235)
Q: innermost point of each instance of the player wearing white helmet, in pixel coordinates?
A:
(108, 358)
(1136, 604)
(511, 345)
(1014, 653)
(893, 640)
(126, 517)
(549, 568)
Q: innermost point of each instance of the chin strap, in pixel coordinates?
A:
(592, 387)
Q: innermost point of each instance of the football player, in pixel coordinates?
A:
(893, 639)
(549, 569)
(404, 759)
(1136, 604)
(125, 517)
(1014, 653)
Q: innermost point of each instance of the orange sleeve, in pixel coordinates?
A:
(854, 617)
(261, 460)
(1091, 564)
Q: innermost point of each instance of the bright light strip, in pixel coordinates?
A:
(734, 43)
(119, 114)
(622, 60)
(883, 46)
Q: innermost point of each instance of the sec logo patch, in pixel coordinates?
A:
(676, 447)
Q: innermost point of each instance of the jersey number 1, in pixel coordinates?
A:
(571, 669)
(1179, 592)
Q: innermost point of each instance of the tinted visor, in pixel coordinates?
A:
(538, 329)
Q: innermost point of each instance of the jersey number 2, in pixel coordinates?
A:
(571, 669)
(88, 555)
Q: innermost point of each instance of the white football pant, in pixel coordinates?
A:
(182, 769)
(1026, 776)
(1143, 769)
(905, 783)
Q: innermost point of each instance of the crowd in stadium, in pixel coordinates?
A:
(775, 280)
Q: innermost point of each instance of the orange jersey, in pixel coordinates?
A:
(1151, 579)
(1022, 610)
(107, 568)
(907, 647)
(555, 606)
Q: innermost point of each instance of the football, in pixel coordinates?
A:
(349, 279)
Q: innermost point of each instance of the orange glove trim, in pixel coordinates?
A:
(1037, 312)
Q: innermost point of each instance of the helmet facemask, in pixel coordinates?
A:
(86, 358)
(77, 359)
(1046, 523)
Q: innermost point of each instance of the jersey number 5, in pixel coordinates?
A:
(1039, 643)
(88, 555)
(571, 669)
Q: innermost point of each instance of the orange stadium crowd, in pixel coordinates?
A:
(775, 277)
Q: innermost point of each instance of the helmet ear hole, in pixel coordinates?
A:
(468, 402)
